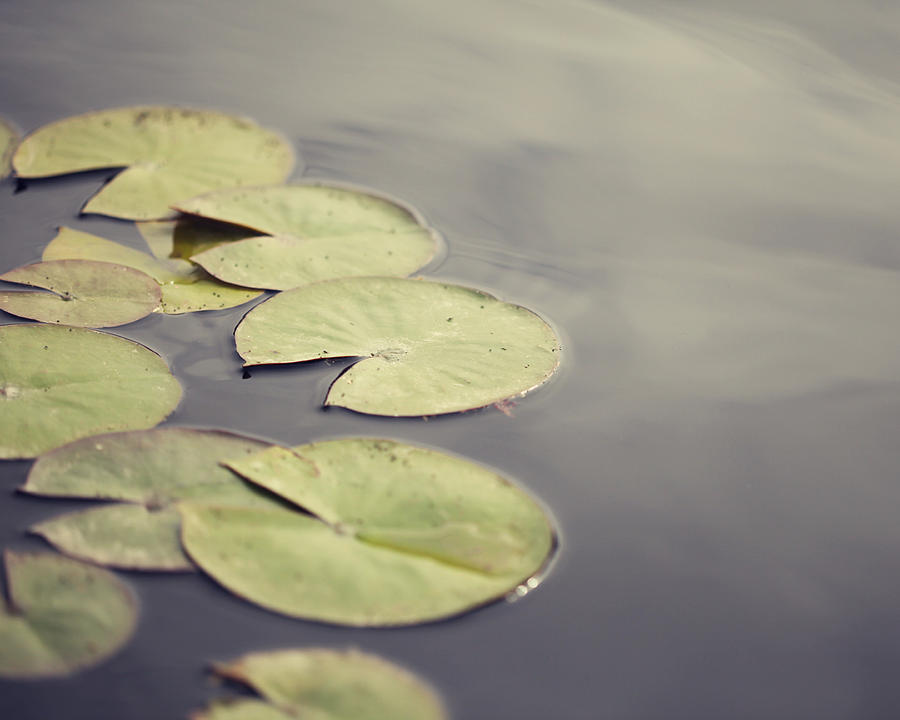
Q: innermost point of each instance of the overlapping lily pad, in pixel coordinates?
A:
(58, 384)
(170, 153)
(185, 287)
(149, 470)
(62, 616)
(399, 534)
(84, 293)
(9, 138)
(326, 684)
(311, 233)
(428, 347)
(242, 709)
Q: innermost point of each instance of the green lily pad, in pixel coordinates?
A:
(170, 153)
(185, 287)
(62, 616)
(312, 232)
(150, 470)
(84, 293)
(9, 138)
(428, 348)
(58, 384)
(325, 684)
(401, 534)
(242, 710)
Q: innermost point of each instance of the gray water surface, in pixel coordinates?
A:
(701, 197)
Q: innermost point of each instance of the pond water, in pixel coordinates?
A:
(701, 199)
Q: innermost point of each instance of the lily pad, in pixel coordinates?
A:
(400, 534)
(84, 293)
(170, 153)
(242, 710)
(428, 347)
(9, 138)
(62, 616)
(185, 287)
(325, 684)
(58, 384)
(312, 232)
(150, 470)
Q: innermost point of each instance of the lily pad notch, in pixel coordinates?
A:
(427, 347)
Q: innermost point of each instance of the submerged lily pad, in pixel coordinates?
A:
(312, 232)
(429, 347)
(401, 534)
(325, 684)
(84, 293)
(185, 287)
(58, 384)
(179, 240)
(9, 138)
(170, 153)
(150, 470)
(62, 616)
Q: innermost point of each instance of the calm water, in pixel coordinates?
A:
(703, 201)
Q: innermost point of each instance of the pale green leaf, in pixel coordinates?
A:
(170, 153)
(313, 232)
(243, 710)
(185, 287)
(9, 138)
(58, 384)
(62, 616)
(84, 293)
(403, 534)
(150, 470)
(428, 347)
(325, 684)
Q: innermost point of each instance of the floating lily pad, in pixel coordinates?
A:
(401, 534)
(62, 616)
(150, 470)
(185, 287)
(170, 153)
(84, 293)
(325, 684)
(313, 232)
(429, 347)
(245, 710)
(9, 138)
(58, 384)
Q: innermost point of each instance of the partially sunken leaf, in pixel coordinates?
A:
(428, 348)
(180, 239)
(84, 293)
(324, 684)
(9, 138)
(62, 616)
(184, 286)
(150, 470)
(170, 153)
(402, 534)
(313, 232)
(58, 384)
